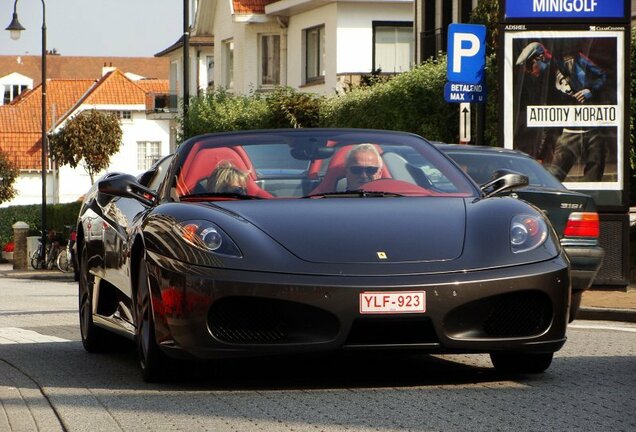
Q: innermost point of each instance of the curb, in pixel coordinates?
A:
(37, 275)
(606, 314)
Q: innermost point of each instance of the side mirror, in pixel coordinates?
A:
(145, 178)
(126, 186)
(504, 180)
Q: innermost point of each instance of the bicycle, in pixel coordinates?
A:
(64, 260)
(38, 259)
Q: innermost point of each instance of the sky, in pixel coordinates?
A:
(117, 28)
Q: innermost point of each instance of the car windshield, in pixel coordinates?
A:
(314, 163)
(481, 165)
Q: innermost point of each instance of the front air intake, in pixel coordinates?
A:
(510, 315)
(254, 320)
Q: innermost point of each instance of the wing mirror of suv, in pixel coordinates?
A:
(504, 180)
(126, 186)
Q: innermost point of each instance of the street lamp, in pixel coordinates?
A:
(15, 28)
(186, 61)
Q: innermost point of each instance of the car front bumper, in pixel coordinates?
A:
(216, 313)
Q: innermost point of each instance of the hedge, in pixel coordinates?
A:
(58, 216)
(412, 101)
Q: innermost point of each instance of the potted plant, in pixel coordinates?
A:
(7, 251)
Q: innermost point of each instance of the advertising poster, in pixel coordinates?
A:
(564, 102)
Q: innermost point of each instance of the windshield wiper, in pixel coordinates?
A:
(354, 194)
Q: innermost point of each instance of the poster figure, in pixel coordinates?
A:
(565, 110)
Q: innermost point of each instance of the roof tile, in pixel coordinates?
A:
(70, 67)
(20, 121)
(251, 6)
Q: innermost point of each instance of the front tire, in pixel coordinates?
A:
(521, 363)
(94, 339)
(152, 361)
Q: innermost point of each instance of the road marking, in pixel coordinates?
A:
(603, 327)
(15, 335)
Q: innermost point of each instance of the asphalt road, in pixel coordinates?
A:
(49, 383)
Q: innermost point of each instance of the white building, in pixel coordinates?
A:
(145, 132)
(318, 46)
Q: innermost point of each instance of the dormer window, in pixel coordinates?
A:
(12, 91)
(12, 85)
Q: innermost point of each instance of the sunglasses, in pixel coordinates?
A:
(236, 190)
(368, 170)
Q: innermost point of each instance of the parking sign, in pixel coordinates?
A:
(466, 53)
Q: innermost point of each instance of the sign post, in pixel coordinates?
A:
(464, 123)
(466, 73)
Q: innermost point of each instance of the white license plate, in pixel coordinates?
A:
(392, 302)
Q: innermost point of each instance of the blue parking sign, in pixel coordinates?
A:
(466, 53)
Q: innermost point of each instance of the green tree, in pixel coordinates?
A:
(487, 13)
(8, 174)
(290, 108)
(91, 137)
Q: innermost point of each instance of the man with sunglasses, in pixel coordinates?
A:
(363, 165)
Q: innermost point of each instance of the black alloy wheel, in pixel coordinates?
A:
(94, 339)
(521, 363)
(152, 361)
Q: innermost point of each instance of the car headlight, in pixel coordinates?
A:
(207, 236)
(527, 232)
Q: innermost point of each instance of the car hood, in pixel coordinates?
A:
(361, 230)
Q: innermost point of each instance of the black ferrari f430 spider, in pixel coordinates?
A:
(318, 240)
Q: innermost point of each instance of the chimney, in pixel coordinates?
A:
(107, 69)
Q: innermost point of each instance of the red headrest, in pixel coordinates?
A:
(201, 163)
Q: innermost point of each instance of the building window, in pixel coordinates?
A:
(174, 78)
(210, 71)
(148, 152)
(314, 54)
(270, 60)
(228, 56)
(12, 91)
(392, 46)
(123, 114)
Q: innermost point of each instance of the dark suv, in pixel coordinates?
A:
(572, 214)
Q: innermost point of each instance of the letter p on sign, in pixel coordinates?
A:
(466, 53)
